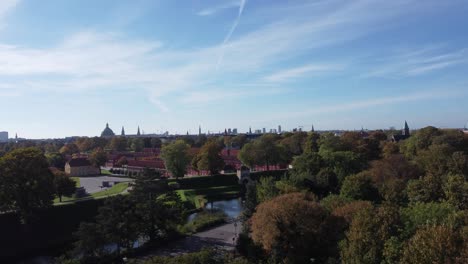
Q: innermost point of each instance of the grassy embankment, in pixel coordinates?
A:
(195, 192)
(118, 188)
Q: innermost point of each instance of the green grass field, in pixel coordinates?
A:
(114, 190)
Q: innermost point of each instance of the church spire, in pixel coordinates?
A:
(406, 132)
(199, 130)
(138, 132)
(123, 132)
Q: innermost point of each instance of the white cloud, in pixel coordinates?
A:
(5, 7)
(311, 69)
(213, 10)
(417, 62)
(100, 60)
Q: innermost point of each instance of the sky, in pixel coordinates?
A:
(69, 67)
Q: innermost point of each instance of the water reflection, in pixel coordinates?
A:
(232, 208)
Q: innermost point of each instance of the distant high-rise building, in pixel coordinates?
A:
(264, 130)
(258, 131)
(234, 131)
(3, 136)
(250, 130)
(199, 130)
(279, 129)
(229, 131)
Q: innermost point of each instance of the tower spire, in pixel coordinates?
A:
(123, 132)
(199, 130)
(406, 132)
(138, 132)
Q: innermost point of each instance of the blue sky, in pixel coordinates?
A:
(68, 67)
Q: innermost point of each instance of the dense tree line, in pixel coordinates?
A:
(362, 199)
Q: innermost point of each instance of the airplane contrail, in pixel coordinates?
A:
(233, 28)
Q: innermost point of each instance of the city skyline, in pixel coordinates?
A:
(68, 67)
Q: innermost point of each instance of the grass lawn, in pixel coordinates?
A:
(198, 197)
(114, 190)
(77, 181)
(105, 172)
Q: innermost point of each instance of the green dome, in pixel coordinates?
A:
(107, 132)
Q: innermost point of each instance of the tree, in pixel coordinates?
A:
(56, 160)
(247, 156)
(209, 157)
(155, 142)
(98, 158)
(361, 244)
(289, 227)
(456, 191)
(266, 189)
(69, 149)
(433, 244)
(176, 157)
(359, 187)
(91, 241)
(119, 221)
(136, 144)
(122, 161)
(26, 183)
(118, 143)
(64, 185)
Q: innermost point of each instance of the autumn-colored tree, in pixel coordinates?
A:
(433, 244)
(69, 149)
(289, 227)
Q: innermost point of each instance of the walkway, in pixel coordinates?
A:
(221, 237)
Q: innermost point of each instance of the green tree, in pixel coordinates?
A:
(26, 183)
(247, 155)
(64, 185)
(266, 189)
(98, 158)
(118, 144)
(56, 160)
(90, 242)
(119, 221)
(359, 187)
(209, 157)
(136, 144)
(176, 158)
(456, 191)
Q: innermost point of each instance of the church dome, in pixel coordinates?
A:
(107, 132)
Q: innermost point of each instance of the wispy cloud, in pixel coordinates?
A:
(417, 62)
(293, 73)
(213, 10)
(5, 7)
(94, 60)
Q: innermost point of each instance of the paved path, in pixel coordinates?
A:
(93, 184)
(221, 237)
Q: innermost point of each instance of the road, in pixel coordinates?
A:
(93, 184)
(221, 237)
